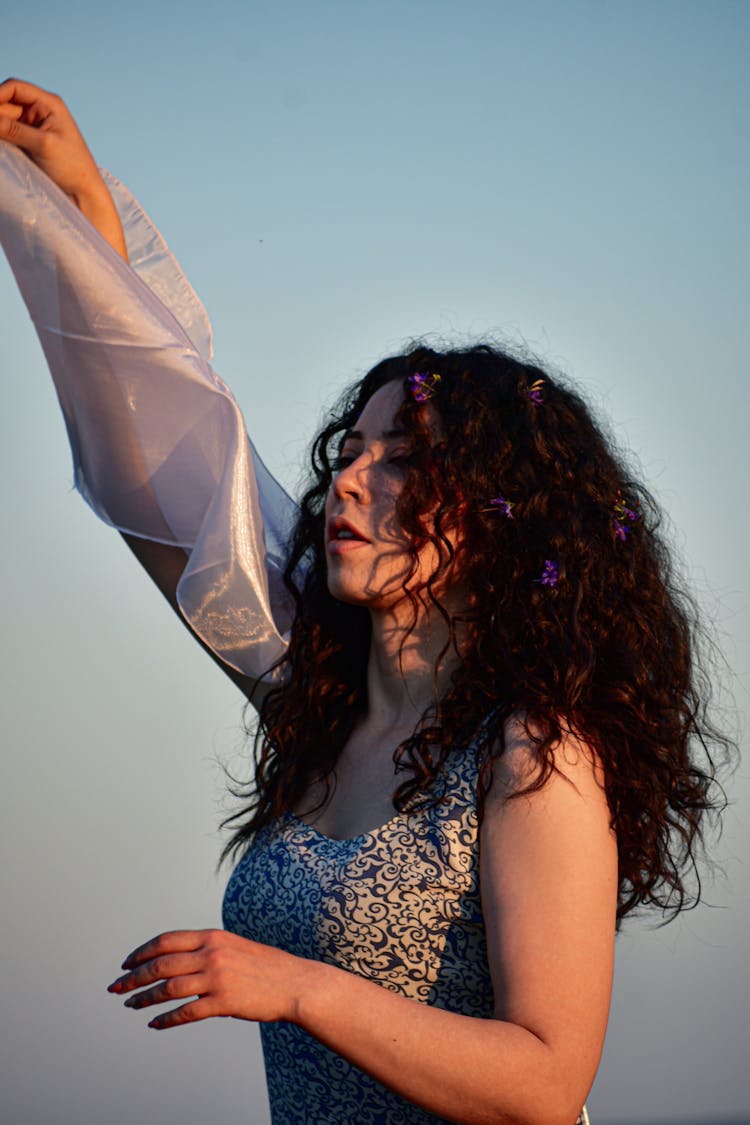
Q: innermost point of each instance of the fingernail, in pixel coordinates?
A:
(115, 986)
(155, 1024)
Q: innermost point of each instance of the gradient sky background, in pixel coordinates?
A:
(337, 177)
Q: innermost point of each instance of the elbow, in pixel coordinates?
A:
(545, 1100)
(553, 1087)
(555, 1110)
(555, 1103)
(562, 1116)
(541, 1114)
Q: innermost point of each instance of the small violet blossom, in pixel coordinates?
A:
(422, 387)
(550, 574)
(500, 504)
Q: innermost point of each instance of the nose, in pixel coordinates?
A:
(353, 479)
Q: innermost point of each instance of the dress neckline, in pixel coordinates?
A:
(304, 824)
(451, 764)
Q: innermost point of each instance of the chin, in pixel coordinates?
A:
(342, 588)
(352, 592)
(339, 591)
(349, 593)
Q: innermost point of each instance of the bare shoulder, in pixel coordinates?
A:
(574, 763)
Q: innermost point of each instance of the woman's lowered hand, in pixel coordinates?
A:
(217, 973)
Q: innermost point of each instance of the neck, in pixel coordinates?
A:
(402, 681)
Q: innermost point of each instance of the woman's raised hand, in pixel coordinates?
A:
(227, 974)
(42, 125)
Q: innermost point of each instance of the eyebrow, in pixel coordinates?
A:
(357, 435)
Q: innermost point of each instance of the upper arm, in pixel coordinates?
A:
(549, 896)
(164, 564)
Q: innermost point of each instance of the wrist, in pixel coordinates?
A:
(314, 982)
(95, 202)
(92, 195)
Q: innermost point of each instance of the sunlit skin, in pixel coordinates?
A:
(411, 653)
(548, 861)
(372, 569)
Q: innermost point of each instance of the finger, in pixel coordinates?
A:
(175, 941)
(176, 988)
(23, 136)
(13, 90)
(199, 1009)
(10, 110)
(160, 968)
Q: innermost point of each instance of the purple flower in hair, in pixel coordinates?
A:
(535, 392)
(422, 387)
(624, 517)
(551, 574)
(500, 504)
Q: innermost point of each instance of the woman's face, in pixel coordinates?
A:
(366, 548)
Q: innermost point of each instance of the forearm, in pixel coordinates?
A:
(467, 1069)
(97, 205)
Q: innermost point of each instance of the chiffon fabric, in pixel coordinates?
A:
(159, 444)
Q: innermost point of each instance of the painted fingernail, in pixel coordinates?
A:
(156, 1024)
(116, 986)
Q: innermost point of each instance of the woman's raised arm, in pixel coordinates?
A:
(160, 448)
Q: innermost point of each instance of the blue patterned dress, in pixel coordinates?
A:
(399, 905)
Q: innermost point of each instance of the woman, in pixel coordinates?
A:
(479, 719)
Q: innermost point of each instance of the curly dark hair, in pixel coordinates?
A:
(577, 622)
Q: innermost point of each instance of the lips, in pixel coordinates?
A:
(340, 531)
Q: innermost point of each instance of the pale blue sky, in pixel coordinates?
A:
(337, 177)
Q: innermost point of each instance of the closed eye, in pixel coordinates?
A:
(403, 458)
(342, 461)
